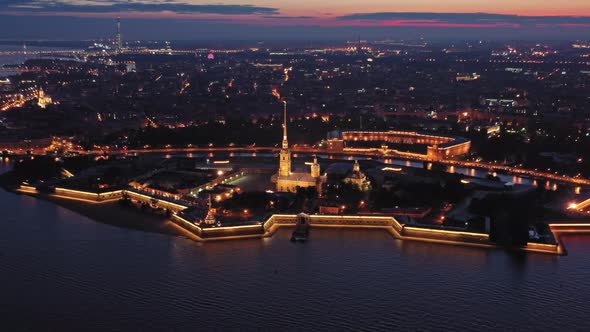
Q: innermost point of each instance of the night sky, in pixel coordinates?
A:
(301, 19)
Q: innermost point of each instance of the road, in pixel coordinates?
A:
(18, 102)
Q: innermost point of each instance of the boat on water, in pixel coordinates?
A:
(301, 232)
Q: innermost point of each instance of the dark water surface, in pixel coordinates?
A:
(62, 271)
(16, 59)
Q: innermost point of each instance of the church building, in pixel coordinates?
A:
(288, 180)
(357, 178)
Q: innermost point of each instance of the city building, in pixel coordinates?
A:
(357, 178)
(467, 77)
(438, 146)
(130, 66)
(210, 217)
(43, 100)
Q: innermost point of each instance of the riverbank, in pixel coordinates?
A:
(108, 212)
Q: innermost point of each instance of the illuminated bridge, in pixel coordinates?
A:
(26, 70)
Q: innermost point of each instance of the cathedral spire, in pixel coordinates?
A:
(210, 217)
(285, 154)
(285, 142)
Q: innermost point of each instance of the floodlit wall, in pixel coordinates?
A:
(98, 197)
(275, 221)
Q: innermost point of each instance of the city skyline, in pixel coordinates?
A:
(242, 19)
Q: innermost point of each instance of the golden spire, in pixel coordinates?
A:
(285, 142)
(356, 167)
(276, 93)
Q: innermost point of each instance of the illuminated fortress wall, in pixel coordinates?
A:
(275, 221)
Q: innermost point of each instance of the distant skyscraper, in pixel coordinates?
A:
(25, 53)
(119, 36)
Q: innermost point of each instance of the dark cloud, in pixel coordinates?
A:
(111, 6)
(467, 18)
(33, 27)
(289, 17)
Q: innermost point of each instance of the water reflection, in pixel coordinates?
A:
(71, 272)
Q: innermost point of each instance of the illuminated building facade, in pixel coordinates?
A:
(130, 66)
(43, 100)
(438, 146)
(357, 178)
(288, 180)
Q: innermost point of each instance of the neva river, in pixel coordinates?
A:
(17, 59)
(62, 271)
